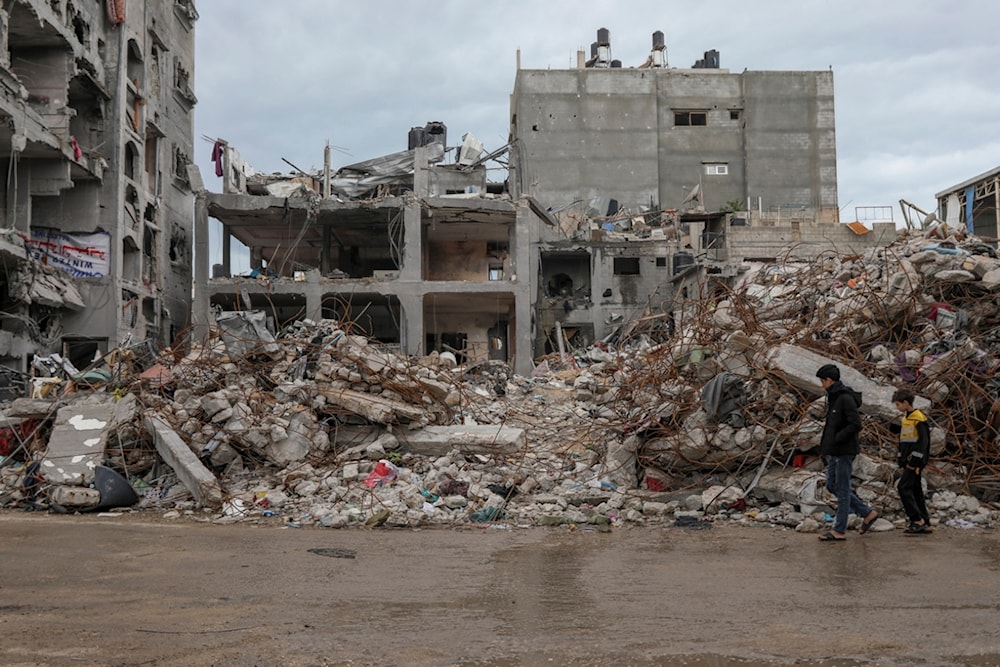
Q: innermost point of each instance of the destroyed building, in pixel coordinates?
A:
(628, 190)
(656, 171)
(973, 204)
(98, 117)
(416, 249)
(375, 365)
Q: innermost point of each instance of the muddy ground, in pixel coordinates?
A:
(138, 590)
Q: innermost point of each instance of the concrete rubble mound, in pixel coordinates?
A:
(714, 417)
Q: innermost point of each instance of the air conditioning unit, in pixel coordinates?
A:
(385, 275)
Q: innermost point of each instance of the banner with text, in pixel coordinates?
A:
(80, 255)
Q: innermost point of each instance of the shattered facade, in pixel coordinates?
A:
(973, 205)
(662, 180)
(97, 100)
(412, 249)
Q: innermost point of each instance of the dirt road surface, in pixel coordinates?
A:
(86, 590)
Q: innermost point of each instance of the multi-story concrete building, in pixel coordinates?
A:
(97, 101)
(415, 251)
(651, 170)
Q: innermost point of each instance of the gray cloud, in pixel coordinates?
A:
(917, 90)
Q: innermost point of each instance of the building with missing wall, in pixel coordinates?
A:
(97, 101)
(660, 175)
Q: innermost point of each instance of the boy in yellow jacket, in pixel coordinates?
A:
(914, 451)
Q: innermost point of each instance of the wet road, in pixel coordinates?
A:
(130, 591)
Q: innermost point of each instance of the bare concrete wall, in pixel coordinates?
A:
(457, 260)
(595, 134)
(805, 240)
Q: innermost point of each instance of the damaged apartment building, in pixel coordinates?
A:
(97, 104)
(415, 250)
(665, 179)
(626, 190)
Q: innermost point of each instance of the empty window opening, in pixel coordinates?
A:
(688, 118)
(626, 266)
(81, 30)
(135, 65)
(83, 352)
(178, 244)
(496, 259)
(132, 161)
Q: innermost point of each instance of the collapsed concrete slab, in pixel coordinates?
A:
(198, 479)
(798, 366)
(479, 439)
(374, 408)
(76, 445)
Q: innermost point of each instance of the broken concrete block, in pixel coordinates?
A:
(798, 368)
(439, 440)
(195, 477)
(620, 464)
(74, 497)
(991, 280)
(955, 276)
(373, 408)
(214, 403)
(76, 444)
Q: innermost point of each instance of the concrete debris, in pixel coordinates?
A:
(716, 417)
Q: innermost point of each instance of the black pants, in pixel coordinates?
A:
(911, 492)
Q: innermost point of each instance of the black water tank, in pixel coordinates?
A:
(616, 63)
(658, 39)
(682, 260)
(603, 36)
(417, 138)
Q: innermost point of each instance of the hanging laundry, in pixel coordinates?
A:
(77, 151)
(217, 157)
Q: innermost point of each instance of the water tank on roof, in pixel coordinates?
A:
(603, 36)
(433, 132)
(417, 138)
(437, 132)
(682, 260)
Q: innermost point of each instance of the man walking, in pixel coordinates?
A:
(840, 445)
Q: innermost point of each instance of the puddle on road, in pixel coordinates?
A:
(548, 660)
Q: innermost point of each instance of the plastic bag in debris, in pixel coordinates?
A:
(383, 473)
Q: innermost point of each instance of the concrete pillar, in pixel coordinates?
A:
(421, 179)
(524, 276)
(411, 324)
(200, 308)
(314, 296)
(412, 268)
(227, 259)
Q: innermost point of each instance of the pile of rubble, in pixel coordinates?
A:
(317, 425)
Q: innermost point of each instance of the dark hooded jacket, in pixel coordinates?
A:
(843, 421)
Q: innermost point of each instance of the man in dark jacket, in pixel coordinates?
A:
(839, 445)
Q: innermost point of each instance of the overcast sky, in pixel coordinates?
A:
(917, 86)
